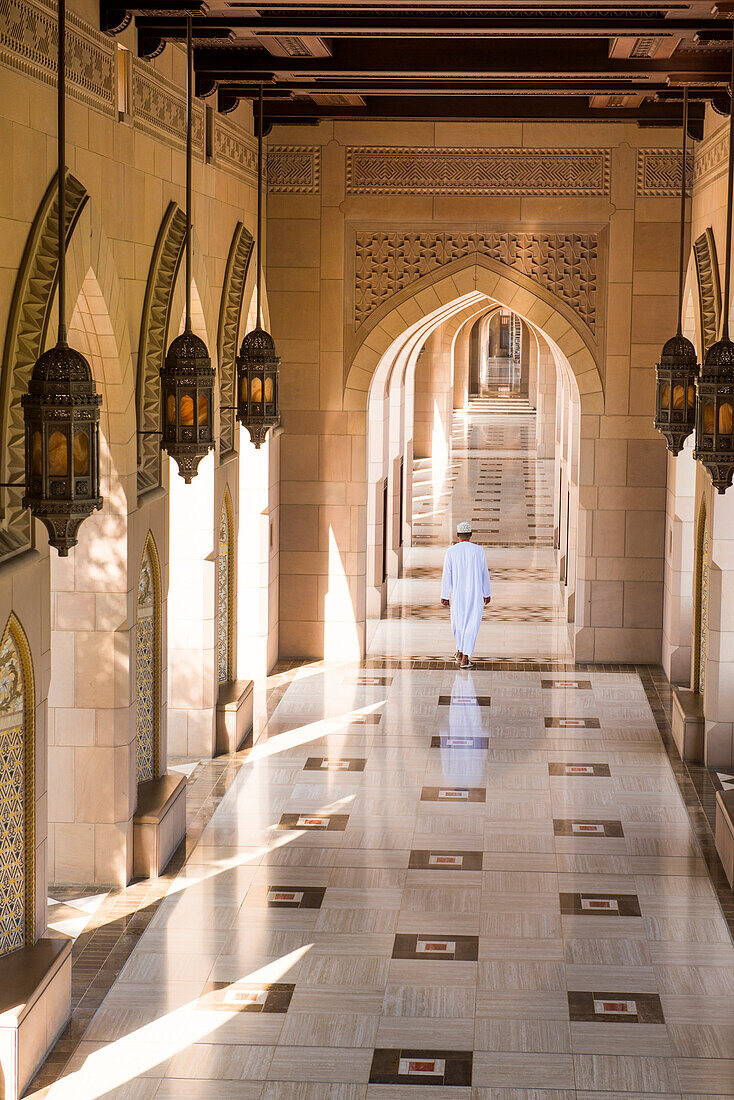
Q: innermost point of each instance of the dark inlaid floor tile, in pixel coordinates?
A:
(378, 681)
(579, 770)
(456, 741)
(464, 700)
(421, 1067)
(566, 685)
(332, 764)
(294, 897)
(453, 794)
(615, 1008)
(335, 823)
(568, 723)
(247, 996)
(434, 946)
(427, 860)
(606, 905)
(586, 827)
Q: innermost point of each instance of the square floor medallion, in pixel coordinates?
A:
(427, 860)
(429, 946)
(333, 823)
(453, 794)
(580, 771)
(246, 996)
(457, 741)
(334, 764)
(605, 905)
(586, 827)
(615, 1008)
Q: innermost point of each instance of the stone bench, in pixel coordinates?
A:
(688, 724)
(234, 715)
(725, 832)
(159, 824)
(35, 1005)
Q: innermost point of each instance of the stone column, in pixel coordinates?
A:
(680, 544)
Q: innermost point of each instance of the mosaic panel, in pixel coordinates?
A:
(12, 799)
(223, 595)
(145, 671)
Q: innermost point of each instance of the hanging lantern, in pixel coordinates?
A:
(257, 362)
(187, 376)
(714, 405)
(187, 394)
(675, 412)
(61, 408)
(714, 447)
(61, 412)
(257, 384)
(677, 371)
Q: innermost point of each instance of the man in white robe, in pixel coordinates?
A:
(467, 590)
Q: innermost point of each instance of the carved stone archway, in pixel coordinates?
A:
(477, 273)
(230, 314)
(709, 291)
(25, 339)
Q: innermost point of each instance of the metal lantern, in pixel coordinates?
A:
(187, 376)
(675, 411)
(61, 408)
(257, 385)
(61, 412)
(257, 362)
(714, 405)
(187, 397)
(677, 371)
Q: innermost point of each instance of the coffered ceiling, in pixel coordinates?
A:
(504, 59)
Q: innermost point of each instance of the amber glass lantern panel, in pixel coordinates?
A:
(171, 409)
(186, 410)
(678, 397)
(256, 389)
(58, 455)
(691, 396)
(37, 454)
(268, 388)
(665, 397)
(725, 419)
(709, 420)
(81, 454)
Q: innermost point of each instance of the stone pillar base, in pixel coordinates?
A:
(725, 832)
(35, 1006)
(159, 824)
(234, 715)
(688, 724)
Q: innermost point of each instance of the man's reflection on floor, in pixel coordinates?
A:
(463, 739)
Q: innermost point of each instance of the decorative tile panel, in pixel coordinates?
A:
(388, 261)
(12, 799)
(380, 170)
(224, 593)
(294, 169)
(147, 667)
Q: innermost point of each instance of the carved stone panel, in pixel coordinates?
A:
(229, 323)
(563, 263)
(35, 288)
(380, 170)
(659, 172)
(164, 266)
(294, 169)
(709, 292)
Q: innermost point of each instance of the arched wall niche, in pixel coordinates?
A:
(17, 790)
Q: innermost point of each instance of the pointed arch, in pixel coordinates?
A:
(701, 596)
(709, 291)
(25, 339)
(148, 665)
(226, 556)
(450, 285)
(17, 790)
(230, 316)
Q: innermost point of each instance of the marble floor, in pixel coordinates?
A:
(477, 885)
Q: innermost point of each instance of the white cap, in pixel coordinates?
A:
(463, 528)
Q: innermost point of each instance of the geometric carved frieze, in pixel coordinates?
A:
(230, 312)
(294, 169)
(387, 261)
(28, 44)
(710, 157)
(384, 170)
(164, 267)
(709, 291)
(234, 149)
(159, 108)
(25, 339)
(659, 172)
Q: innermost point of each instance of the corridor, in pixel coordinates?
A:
(483, 883)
